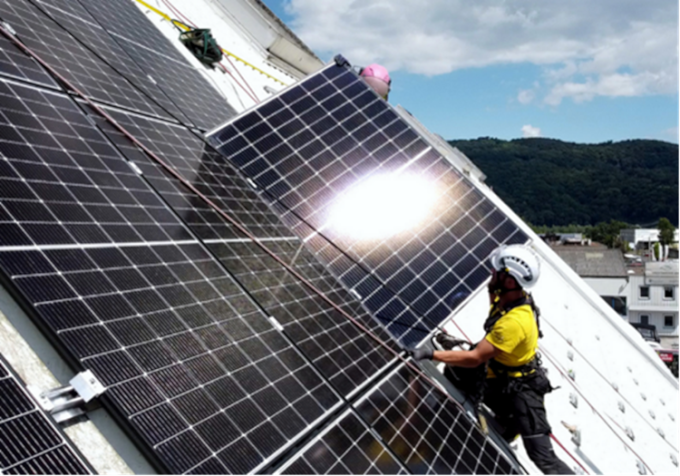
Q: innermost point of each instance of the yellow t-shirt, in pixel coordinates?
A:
(516, 335)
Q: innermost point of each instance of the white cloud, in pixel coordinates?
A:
(588, 49)
(530, 131)
(525, 96)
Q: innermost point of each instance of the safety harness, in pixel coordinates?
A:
(502, 370)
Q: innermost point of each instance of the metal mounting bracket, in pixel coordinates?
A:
(69, 402)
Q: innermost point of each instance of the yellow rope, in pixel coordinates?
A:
(184, 27)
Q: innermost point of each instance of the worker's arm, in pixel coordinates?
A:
(467, 358)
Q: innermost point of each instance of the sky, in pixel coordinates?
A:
(580, 70)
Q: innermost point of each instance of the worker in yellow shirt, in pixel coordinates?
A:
(516, 382)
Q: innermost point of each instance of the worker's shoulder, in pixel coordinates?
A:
(518, 315)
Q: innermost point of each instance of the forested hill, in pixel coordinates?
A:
(550, 182)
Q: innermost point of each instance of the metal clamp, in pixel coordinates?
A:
(68, 402)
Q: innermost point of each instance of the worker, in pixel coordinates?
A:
(515, 380)
(378, 78)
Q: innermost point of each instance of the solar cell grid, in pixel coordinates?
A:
(331, 138)
(345, 447)
(161, 60)
(16, 64)
(345, 355)
(29, 441)
(72, 60)
(342, 353)
(189, 359)
(63, 183)
(204, 168)
(428, 432)
(77, 20)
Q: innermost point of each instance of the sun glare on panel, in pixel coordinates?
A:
(383, 206)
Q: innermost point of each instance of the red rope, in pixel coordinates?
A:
(251, 94)
(573, 384)
(606, 380)
(568, 452)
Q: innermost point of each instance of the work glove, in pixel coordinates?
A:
(422, 353)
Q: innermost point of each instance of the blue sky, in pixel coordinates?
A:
(579, 71)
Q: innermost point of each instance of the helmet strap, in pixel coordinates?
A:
(500, 288)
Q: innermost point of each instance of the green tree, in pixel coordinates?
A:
(666, 232)
(607, 233)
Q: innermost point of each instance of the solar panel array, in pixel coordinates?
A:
(324, 140)
(29, 441)
(346, 447)
(426, 431)
(215, 358)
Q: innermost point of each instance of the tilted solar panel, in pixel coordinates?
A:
(345, 447)
(190, 361)
(349, 168)
(215, 357)
(30, 443)
(343, 354)
(427, 431)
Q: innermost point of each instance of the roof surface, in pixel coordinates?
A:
(593, 261)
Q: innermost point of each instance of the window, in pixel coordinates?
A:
(668, 321)
(644, 292)
(668, 292)
(644, 319)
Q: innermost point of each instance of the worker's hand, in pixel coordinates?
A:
(422, 353)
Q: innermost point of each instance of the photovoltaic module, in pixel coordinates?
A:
(215, 358)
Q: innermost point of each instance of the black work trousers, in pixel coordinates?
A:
(520, 410)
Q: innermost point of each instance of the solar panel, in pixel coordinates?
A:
(73, 17)
(348, 358)
(189, 360)
(16, 64)
(358, 178)
(72, 60)
(428, 432)
(343, 354)
(346, 447)
(30, 443)
(161, 60)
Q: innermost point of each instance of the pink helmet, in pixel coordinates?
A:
(378, 78)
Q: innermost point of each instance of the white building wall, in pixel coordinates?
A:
(656, 308)
(608, 286)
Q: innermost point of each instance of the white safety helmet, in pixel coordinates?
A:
(518, 261)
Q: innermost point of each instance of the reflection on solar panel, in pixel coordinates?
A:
(29, 441)
(356, 177)
(213, 355)
(346, 447)
(189, 359)
(426, 431)
(346, 356)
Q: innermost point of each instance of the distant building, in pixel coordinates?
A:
(574, 239)
(603, 269)
(641, 239)
(653, 299)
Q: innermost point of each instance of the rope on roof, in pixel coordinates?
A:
(228, 53)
